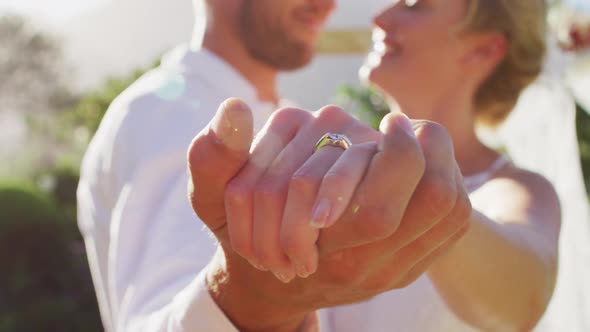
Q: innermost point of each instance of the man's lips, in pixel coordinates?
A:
(310, 19)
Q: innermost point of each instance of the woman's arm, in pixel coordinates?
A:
(501, 275)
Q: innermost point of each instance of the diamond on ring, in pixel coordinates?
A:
(331, 139)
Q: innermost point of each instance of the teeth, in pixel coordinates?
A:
(378, 35)
(380, 46)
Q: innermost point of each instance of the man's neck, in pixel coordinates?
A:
(228, 47)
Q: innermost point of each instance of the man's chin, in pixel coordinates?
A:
(297, 60)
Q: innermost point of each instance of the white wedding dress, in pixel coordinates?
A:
(541, 136)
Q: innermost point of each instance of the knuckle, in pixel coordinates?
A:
(288, 115)
(267, 257)
(434, 136)
(440, 195)
(425, 244)
(335, 178)
(290, 245)
(267, 193)
(374, 223)
(303, 182)
(462, 212)
(409, 153)
(333, 115)
(366, 148)
(331, 112)
(433, 130)
(236, 193)
(242, 247)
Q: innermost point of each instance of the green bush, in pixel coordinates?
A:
(45, 281)
(583, 127)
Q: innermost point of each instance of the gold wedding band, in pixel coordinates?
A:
(331, 139)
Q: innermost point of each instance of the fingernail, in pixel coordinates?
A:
(232, 124)
(302, 270)
(258, 267)
(406, 124)
(321, 212)
(283, 277)
(397, 119)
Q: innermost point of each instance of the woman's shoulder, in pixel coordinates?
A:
(517, 177)
(517, 190)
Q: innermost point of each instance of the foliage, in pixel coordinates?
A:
(583, 127)
(88, 112)
(32, 69)
(45, 281)
(33, 89)
(366, 104)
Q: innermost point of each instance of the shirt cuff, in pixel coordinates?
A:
(198, 311)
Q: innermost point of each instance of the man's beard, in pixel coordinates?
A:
(270, 44)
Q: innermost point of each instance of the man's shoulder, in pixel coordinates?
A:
(158, 114)
(161, 100)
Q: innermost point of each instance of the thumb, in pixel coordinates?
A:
(215, 156)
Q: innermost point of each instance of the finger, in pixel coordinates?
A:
(424, 265)
(438, 190)
(215, 156)
(298, 238)
(415, 251)
(384, 193)
(239, 195)
(271, 190)
(340, 183)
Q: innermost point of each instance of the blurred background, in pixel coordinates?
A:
(62, 62)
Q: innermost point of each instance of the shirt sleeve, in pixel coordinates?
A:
(158, 258)
(147, 249)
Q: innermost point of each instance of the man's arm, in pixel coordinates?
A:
(147, 250)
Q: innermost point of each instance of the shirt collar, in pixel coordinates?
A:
(212, 69)
(221, 76)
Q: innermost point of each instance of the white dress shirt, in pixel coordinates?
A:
(147, 249)
(146, 246)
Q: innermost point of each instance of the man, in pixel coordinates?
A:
(134, 174)
(153, 264)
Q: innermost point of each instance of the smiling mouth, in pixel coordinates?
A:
(387, 49)
(311, 21)
(385, 46)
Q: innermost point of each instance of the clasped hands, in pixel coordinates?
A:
(335, 226)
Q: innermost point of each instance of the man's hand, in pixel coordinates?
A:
(409, 207)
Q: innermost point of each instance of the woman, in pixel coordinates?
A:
(463, 63)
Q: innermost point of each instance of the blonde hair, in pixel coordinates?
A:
(523, 23)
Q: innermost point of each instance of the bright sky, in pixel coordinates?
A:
(59, 10)
(53, 10)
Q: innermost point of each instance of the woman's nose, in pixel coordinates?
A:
(386, 18)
